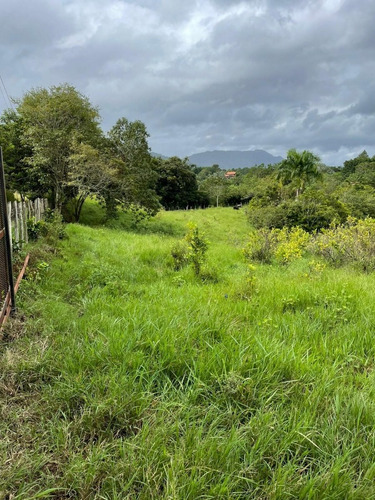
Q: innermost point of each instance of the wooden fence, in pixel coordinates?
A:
(18, 214)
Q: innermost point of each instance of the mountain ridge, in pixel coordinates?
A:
(231, 159)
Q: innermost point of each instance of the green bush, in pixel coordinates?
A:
(197, 245)
(35, 229)
(52, 227)
(291, 244)
(283, 245)
(261, 246)
(180, 254)
(191, 250)
(312, 211)
(359, 199)
(349, 243)
(270, 216)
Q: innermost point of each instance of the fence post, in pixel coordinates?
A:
(22, 232)
(30, 208)
(16, 228)
(37, 209)
(24, 209)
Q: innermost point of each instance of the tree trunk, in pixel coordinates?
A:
(78, 206)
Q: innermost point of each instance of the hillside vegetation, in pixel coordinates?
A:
(124, 378)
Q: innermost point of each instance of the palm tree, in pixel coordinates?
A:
(299, 167)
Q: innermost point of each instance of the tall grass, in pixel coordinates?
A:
(127, 379)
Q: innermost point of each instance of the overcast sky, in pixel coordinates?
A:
(207, 74)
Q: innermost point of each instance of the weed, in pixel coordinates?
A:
(35, 228)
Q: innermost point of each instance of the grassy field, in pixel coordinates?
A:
(122, 378)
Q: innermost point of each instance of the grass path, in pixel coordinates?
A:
(129, 380)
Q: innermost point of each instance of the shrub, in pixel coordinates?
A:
(261, 246)
(35, 228)
(191, 250)
(349, 243)
(291, 243)
(285, 245)
(180, 254)
(139, 213)
(312, 211)
(270, 216)
(197, 245)
(359, 199)
(52, 227)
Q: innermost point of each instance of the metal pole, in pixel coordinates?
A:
(8, 250)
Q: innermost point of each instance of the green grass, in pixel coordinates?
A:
(129, 380)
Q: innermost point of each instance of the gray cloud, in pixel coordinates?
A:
(207, 74)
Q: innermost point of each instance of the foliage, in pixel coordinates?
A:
(176, 183)
(181, 254)
(135, 178)
(214, 186)
(261, 186)
(359, 199)
(51, 120)
(261, 245)
(35, 228)
(191, 249)
(285, 245)
(15, 155)
(312, 211)
(197, 245)
(248, 290)
(139, 213)
(349, 243)
(55, 148)
(350, 166)
(90, 174)
(269, 216)
(52, 228)
(291, 244)
(299, 169)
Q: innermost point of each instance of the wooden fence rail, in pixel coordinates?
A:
(18, 214)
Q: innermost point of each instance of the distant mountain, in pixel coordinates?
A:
(234, 159)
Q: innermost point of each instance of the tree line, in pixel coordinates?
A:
(54, 147)
(302, 191)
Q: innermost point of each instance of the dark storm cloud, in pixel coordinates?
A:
(207, 74)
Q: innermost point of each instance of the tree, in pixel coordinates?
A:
(51, 120)
(136, 178)
(214, 186)
(204, 172)
(299, 168)
(176, 184)
(364, 174)
(14, 154)
(350, 166)
(90, 174)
